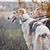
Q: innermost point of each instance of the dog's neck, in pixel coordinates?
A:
(25, 17)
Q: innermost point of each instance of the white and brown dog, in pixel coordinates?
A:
(25, 20)
(42, 38)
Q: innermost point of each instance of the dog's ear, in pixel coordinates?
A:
(22, 10)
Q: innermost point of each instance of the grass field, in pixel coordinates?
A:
(11, 36)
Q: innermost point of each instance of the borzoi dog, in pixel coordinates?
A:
(24, 20)
(28, 24)
(42, 38)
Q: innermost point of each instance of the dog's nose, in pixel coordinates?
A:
(44, 35)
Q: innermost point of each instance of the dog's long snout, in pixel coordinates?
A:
(43, 35)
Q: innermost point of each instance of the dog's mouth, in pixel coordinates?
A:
(43, 35)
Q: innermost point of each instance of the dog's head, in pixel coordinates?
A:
(21, 11)
(18, 14)
(12, 17)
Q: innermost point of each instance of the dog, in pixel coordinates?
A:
(42, 38)
(24, 20)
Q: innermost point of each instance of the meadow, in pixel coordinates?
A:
(11, 36)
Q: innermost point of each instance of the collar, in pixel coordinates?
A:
(25, 20)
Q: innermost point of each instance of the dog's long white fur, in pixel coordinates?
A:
(39, 31)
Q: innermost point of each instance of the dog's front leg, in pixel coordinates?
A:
(28, 40)
(47, 42)
(48, 36)
(38, 43)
